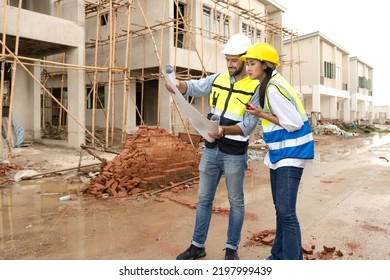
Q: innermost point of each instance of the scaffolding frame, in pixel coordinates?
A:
(119, 34)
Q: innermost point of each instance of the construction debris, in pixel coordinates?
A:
(266, 237)
(5, 168)
(344, 129)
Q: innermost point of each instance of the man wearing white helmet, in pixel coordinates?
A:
(229, 94)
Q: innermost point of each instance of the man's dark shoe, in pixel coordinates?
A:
(231, 254)
(192, 253)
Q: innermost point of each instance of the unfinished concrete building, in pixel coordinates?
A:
(71, 68)
(30, 32)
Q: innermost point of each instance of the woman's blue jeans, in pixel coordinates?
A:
(213, 164)
(284, 186)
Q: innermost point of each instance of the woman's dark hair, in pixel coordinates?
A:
(264, 84)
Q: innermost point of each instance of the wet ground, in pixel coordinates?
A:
(344, 201)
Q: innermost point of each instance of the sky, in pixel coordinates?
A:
(359, 27)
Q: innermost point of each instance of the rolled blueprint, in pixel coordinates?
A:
(197, 120)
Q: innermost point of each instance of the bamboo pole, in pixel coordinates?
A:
(54, 64)
(202, 37)
(175, 185)
(125, 73)
(109, 77)
(161, 54)
(57, 171)
(291, 59)
(113, 77)
(177, 32)
(43, 125)
(299, 68)
(178, 13)
(61, 96)
(13, 76)
(143, 70)
(95, 73)
(2, 74)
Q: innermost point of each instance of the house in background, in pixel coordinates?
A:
(382, 114)
(361, 89)
(334, 86)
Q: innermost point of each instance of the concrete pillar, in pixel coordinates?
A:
(76, 98)
(333, 107)
(316, 100)
(131, 125)
(165, 106)
(37, 92)
(353, 102)
(371, 113)
(347, 110)
(74, 11)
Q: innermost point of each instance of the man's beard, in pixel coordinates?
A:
(239, 70)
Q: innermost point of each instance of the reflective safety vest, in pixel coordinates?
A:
(281, 143)
(228, 101)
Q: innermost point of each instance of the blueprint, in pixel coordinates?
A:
(197, 120)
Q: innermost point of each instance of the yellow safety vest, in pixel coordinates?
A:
(225, 97)
(228, 101)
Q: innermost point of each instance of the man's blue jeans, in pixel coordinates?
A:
(213, 164)
(284, 186)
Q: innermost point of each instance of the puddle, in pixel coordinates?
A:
(35, 224)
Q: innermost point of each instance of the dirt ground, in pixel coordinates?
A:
(343, 203)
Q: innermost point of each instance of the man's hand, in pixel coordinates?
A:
(218, 134)
(181, 86)
(168, 86)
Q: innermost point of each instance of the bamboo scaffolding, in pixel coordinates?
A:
(160, 65)
(46, 90)
(121, 75)
(249, 14)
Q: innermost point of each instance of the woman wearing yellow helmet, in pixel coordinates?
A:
(288, 135)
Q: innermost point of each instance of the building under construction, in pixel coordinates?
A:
(91, 71)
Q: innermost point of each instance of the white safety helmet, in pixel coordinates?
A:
(237, 44)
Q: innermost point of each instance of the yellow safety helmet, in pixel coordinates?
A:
(263, 52)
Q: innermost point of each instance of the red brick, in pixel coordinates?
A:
(307, 249)
(268, 240)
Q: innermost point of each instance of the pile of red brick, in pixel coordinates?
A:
(151, 158)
